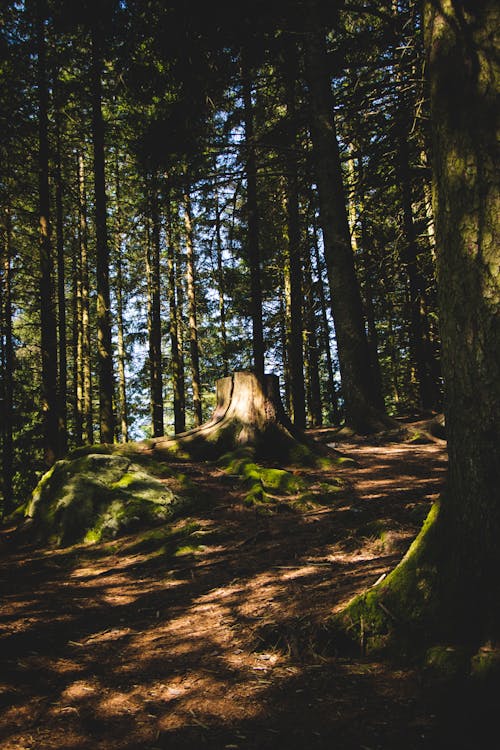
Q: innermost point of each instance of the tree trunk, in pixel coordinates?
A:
(121, 359)
(221, 285)
(445, 590)
(155, 355)
(104, 343)
(50, 402)
(61, 295)
(361, 402)
(312, 359)
(85, 340)
(8, 368)
(76, 343)
(193, 324)
(464, 72)
(294, 265)
(333, 402)
(254, 260)
(248, 414)
(175, 352)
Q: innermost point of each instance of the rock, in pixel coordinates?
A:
(97, 497)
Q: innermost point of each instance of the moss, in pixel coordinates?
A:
(98, 496)
(485, 664)
(400, 608)
(446, 663)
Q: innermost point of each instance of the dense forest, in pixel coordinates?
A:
(188, 192)
(249, 301)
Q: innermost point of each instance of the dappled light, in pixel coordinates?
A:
(129, 643)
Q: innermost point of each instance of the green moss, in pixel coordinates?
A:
(446, 663)
(399, 608)
(485, 664)
(98, 496)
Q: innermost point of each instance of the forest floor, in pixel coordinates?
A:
(214, 637)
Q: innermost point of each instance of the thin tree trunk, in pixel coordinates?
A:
(284, 317)
(315, 411)
(294, 265)
(193, 325)
(334, 410)
(155, 355)
(61, 295)
(179, 287)
(122, 382)
(358, 224)
(8, 370)
(221, 285)
(76, 342)
(253, 239)
(360, 398)
(85, 338)
(50, 402)
(104, 342)
(177, 375)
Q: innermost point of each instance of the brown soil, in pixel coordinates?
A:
(216, 640)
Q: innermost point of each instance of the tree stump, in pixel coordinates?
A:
(248, 413)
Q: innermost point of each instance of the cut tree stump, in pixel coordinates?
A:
(248, 414)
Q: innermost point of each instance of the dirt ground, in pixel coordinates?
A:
(212, 637)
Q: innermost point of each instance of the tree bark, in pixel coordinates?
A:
(61, 294)
(464, 73)
(7, 368)
(49, 396)
(248, 414)
(192, 313)
(174, 326)
(104, 342)
(333, 401)
(361, 402)
(294, 265)
(253, 240)
(221, 285)
(84, 308)
(120, 334)
(445, 590)
(155, 354)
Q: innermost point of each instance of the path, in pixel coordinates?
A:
(212, 638)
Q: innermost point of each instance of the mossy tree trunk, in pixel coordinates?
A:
(464, 75)
(447, 586)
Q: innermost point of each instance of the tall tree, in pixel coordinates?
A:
(362, 404)
(192, 313)
(294, 265)
(253, 246)
(155, 353)
(83, 309)
(446, 587)
(48, 322)
(7, 380)
(104, 341)
(464, 72)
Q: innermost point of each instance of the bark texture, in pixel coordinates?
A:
(361, 401)
(446, 588)
(248, 414)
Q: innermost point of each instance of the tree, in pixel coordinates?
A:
(446, 587)
(48, 325)
(362, 404)
(104, 344)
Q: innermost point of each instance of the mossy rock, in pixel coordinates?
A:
(98, 496)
